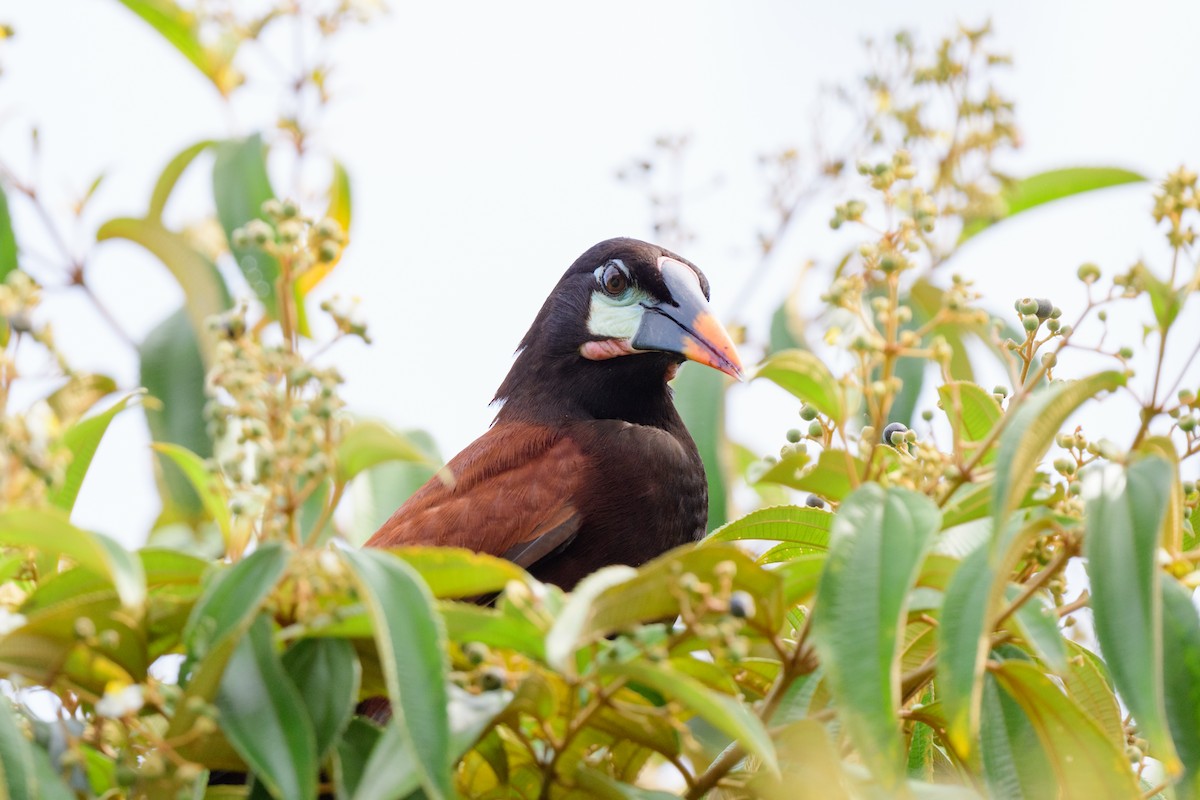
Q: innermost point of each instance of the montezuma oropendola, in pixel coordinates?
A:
(587, 463)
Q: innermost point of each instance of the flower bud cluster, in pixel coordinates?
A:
(1176, 196)
(288, 234)
(274, 417)
(32, 459)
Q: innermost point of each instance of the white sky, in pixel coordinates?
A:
(483, 138)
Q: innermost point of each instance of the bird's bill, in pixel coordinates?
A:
(688, 327)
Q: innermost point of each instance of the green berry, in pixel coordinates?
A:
(1030, 322)
(1088, 273)
(1027, 306)
(794, 435)
(807, 413)
(927, 415)
(816, 429)
(1187, 424)
(1000, 390)
(1125, 352)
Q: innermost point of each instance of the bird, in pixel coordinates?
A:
(587, 462)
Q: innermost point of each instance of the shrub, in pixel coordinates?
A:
(909, 624)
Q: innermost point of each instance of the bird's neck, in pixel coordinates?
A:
(552, 390)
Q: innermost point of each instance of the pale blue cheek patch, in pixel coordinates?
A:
(616, 317)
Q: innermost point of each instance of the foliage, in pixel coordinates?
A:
(909, 625)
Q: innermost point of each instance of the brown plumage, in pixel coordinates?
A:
(588, 463)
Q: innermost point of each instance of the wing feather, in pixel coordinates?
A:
(510, 493)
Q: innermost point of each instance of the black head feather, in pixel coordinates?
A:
(551, 382)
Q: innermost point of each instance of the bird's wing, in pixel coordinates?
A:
(510, 493)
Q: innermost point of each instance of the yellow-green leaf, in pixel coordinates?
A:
(83, 439)
(1085, 763)
(734, 719)
(1046, 187)
(181, 28)
(339, 211)
(795, 524)
(50, 532)
(1031, 431)
(368, 443)
(214, 495)
(806, 376)
(452, 572)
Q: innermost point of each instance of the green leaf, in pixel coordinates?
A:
(240, 187)
(232, 600)
(172, 371)
(1087, 682)
(353, 749)
(1037, 623)
(700, 400)
(470, 623)
(1085, 763)
(1013, 762)
(377, 493)
(1172, 529)
(973, 412)
(572, 623)
(204, 290)
(834, 476)
(973, 501)
(264, 717)
(731, 717)
(183, 30)
(782, 336)
(1165, 300)
(412, 652)
(49, 532)
(600, 786)
(327, 675)
(339, 210)
(369, 443)
(1124, 517)
(76, 397)
(8, 240)
(877, 543)
(171, 175)
(926, 300)
(969, 610)
(25, 769)
(1046, 187)
(211, 488)
(911, 372)
(390, 770)
(1181, 681)
(456, 572)
(799, 525)
(806, 376)
(83, 439)
(618, 598)
(1031, 431)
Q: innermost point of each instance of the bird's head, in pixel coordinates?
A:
(622, 318)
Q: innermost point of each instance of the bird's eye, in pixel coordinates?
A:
(613, 280)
